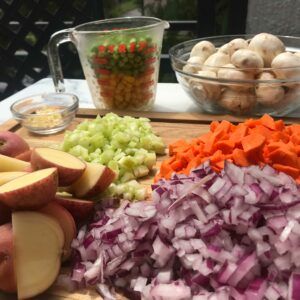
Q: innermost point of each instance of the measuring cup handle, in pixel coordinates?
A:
(56, 39)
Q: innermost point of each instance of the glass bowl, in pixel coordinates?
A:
(222, 94)
(46, 113)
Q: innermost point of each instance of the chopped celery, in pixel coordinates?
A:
(140, 171)
(125, 144)
(130, 190)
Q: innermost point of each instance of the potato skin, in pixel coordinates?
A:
(32, 196)
(7, 274)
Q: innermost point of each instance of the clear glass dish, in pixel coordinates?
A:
(209, 92)
(46, 113)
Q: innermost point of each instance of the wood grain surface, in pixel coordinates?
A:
(170, 126)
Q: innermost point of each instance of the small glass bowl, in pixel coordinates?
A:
(238, 97)
(46, 113)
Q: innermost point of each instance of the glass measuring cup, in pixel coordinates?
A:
(119, 57)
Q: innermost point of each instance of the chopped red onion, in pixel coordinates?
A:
(233, 235)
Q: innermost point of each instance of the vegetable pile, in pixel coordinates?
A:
(205, 236)
(125, 70)
(125, 144)
(260, 141)
(248, 70)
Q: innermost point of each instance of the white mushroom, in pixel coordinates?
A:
(205, 89)
(269, 94)
(267, 46)
(236, 44)
(247, 59)
(286, 66)
(237, 102)
(203, 49)
(215, 61)
(224, 49)
(230, 72)
(194, 64)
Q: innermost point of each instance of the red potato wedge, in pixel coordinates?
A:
(95, 179)
(80, 209)
(7, 274)
(38, 243)
(66, 221)
(10, 164)
(8, 176)
(25, 156)
(11, 144)
(31, 191)
(69, 167)
(5, 214)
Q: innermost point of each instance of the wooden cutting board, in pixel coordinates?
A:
(170, 126)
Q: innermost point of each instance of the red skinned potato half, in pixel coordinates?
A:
(66, 222)
(69, 167)
(7, 274)
(8, 176)
(11, 144)
(11, 164)
(80, 209)
(95, 179)
(25, 156)
(5, 214)
(38, 244)
(30, 191)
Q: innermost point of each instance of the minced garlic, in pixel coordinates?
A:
(45, 117)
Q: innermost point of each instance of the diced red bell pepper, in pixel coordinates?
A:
(122, 48)
(111, 48)
(101, 48)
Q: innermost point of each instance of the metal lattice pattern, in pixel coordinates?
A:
(25, 29)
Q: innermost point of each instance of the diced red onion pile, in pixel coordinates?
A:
(233, 235)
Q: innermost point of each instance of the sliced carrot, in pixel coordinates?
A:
(268, 122)
(253, 142)
(260, 129)
(192, 165)
(177, 144)
(240, 132)
(178, 165)
(239, 158)
(223, 128)
(256, 141)
(280, 136)
(279, 125)
(295, 139)
(284, 156)
(225, 146)
(293, 172)
(213, 125)
(205, 137)
(209, 145)
(277, 145)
